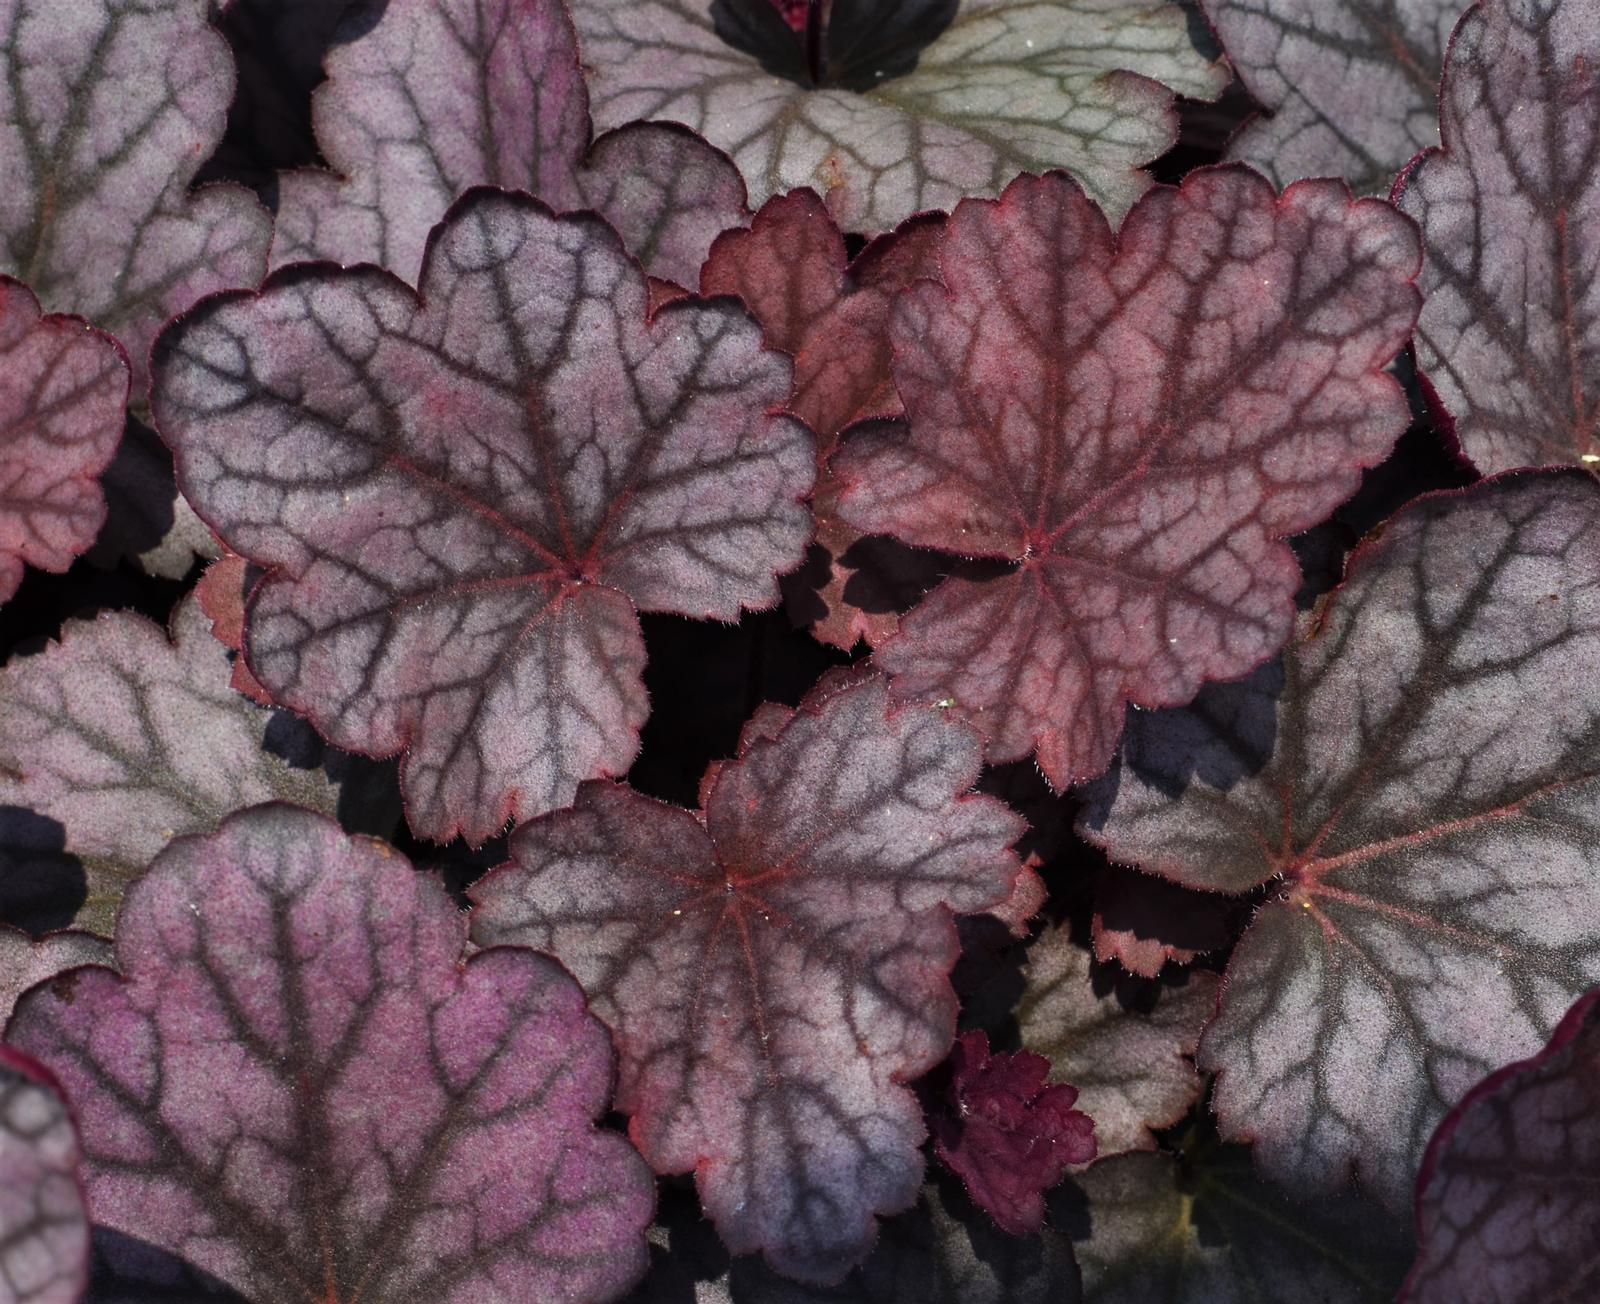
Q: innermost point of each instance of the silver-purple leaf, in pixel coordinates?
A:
(26, 960)
(776, 969)
(107, 110)
(1509, 336)
(44, 1230)
(1350, 86)
(300, 1088)
(463, 494)
(1006, 86)
(1418, 785)
(113, 741)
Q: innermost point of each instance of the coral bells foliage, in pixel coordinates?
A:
(1019, 704)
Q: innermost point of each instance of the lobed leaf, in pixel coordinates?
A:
(26, 960)
(1509, 336)
(923, 101)
(1506, 1203)
(44, 1229)
(62, 391)
(775, 969)
(1351, 86)
(114, 740)
(1416, 784)
(1135, 421)
(107, 110)
(299, 1088)
(462, 495)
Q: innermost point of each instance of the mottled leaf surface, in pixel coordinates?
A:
(1509, 335)
(463, 495)
(1507, 1206)
(1204, 1229)
(430, 97)
(44, 1229)
(114, 740)
(924, 101)
(774, 973)
(1350, 86)
(1135, 421)
(107, 110)
(27, 960)
(62, 391)
(1417, 782)
(1127, 1045)
(299, 1088)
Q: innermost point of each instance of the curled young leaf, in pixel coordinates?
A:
(1136, 421)
(775, 971)
(1418, 782)
(1507, 1209)
(107, 110)
(300, 1088)
(62, 391)
(1509, 335)
(908, 104)
(44, 1228)
(462, 495)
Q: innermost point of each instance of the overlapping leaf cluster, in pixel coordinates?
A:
(1024, 709)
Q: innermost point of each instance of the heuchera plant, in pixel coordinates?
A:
(783, 651)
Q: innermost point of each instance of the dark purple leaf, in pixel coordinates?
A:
(1135, 421)
(923, 101)
(1415, 784)
(1007, 1132)
(27, 960)
(44, 1231)
(107, 110)
(1127, 1045)
(1350, 86)
(777, 968)
(463, 495)
(1507, 1207)
(62, 390)
(1143, 922)
(301, 1089)
(1509, 336)
(431, 97)
(114, 740)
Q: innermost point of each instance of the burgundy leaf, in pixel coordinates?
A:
(1136, 421)
(26, 960)
(1008, 1133)
(114, 740)
(913, 103)
(44, 1229)
(777, 967)
(431, 97)
(299, 1087)
(1416, 784)
(62, 391)
(1142, 922)
(1350, 86)
(1509, 335)
(1507, 1207)
(107, 111)
(1126, 1045)
(462, 496)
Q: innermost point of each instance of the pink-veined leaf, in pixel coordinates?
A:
(431, 97)
(1126, 1044)
(116, 739)
(1509, 336)
(26, 960)
(299, 1087)
(1417, 781)
(1007, 1131)
(62, 391)
(107, 111)
(1507, 1210)
(462, 495)
(1144, 922)
(44, 1229)
(775, 973)
(1351, 87)
(921, 102)
(1136, 421)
